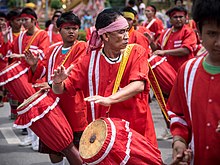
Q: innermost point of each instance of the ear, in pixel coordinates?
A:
(105, 37)
(199, 31)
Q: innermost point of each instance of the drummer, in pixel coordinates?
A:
(96, 73)
(33, 39)
(65, 53)
(176, 43)
(14, 20)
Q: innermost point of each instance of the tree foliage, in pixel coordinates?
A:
(56, 4)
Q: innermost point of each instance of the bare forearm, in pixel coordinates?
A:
(177, 52)
(127, 92)
(153, 46)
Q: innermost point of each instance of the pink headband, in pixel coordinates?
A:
(120, 23)
(95, 40)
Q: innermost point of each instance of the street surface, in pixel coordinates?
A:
(13, 154)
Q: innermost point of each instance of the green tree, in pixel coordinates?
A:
(117, 3)
(12, 3)
(56, 4)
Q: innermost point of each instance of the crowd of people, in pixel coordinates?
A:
(127, 53)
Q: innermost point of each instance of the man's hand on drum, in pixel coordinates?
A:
(61, 73)
(30, 58)
(181, 155)
(159, 52)
(42, 86)
(105, 101)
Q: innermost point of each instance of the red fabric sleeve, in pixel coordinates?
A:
(139, 70)
(177, 105)
(189, 40)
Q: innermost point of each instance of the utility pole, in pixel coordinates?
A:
(46, 10)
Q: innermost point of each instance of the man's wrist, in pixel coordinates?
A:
(57, 83)
(178, 138)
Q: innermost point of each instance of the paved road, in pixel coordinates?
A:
(12, 154)
(159, 123)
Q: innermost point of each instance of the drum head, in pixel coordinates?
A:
(30, 99)
(93, 139)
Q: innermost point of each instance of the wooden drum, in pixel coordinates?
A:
(43, 116)
(164, 73)
(111, 141)
(15, 80)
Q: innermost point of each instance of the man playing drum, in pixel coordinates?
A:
(32, 39)
(124, 97)
(65, 53)
(176, 43)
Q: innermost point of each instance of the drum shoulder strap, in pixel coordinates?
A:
(122, 66)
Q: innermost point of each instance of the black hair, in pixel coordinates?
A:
(13, 14)
(30, 11)
(68, 17)
(176, 8)
(205, 10)
(131, 2)
(106, 17)
(154, 7)
(3, 15)
(47, 23)
(175, 1)
(57, 13)
(129, 9)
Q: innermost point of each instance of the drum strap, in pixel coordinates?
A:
(73, 47)
(166, 37)
(122, 67)
(32, 39)
(150, 23)
(157, 91)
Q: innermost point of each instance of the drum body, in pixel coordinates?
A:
(111, 141)
(15, 80)
(43, 116)
(164, 73)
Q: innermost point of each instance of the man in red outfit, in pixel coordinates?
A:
(154, 24)
(194, 100)
(95, 74)
(134, 35)
(176, 43)
(52, 30)
(66, 53)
